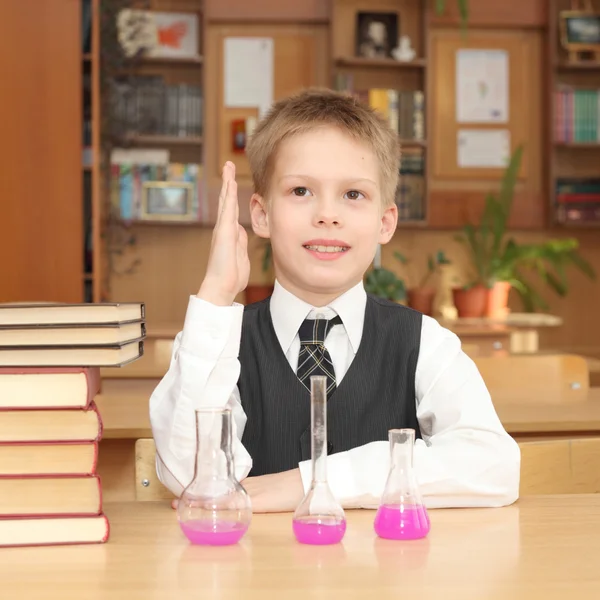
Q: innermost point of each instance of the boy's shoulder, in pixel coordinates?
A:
(386, 304)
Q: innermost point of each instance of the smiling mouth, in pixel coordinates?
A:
(327, 248)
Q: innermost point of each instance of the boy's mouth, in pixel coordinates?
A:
(327, 249)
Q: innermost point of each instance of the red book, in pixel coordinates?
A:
(48, 387)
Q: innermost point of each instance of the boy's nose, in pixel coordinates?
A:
(327, 213)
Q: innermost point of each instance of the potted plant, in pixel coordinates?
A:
(385, 284)
(422, 296)
(500, 262)
(463, 10)
(258, 292)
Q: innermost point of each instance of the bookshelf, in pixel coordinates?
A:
(573, 143)
(134, 92)
(396, 88)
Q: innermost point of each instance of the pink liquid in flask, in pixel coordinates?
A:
(317, 532)
(402, 523)
(213, 533)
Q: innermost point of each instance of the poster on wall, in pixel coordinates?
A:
(482, 94)
(248, 73)
(483, 148)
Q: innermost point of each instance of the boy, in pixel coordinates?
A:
(325, 171)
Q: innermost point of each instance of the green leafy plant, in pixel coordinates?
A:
(267, 257)
(433, 264)
(385, 284)
(497, 257)
(463, 10)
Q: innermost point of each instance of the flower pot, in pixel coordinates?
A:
(497, 304)
(471, 303)
(256, 293)
(421, 299)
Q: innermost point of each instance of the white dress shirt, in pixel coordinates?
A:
(465, 458)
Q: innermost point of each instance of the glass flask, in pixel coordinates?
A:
(319, 518)
(214, 509)
(401, 514)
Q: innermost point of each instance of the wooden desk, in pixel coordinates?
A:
(541, 547)
(517, 333)
(521, 417)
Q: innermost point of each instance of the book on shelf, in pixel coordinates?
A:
(410, 193)
(577, 200)
(25, 459)
(50, 496)
(74, 314)
(147, 105)
(46, 387)
(127, 184)
(56, 425)
(54, 531)
(576, 115)
(93, 334)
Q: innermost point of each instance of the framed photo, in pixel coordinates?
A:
(580, 31)
(158, 34)
(176, 35)
(376, 34)
(167, 201)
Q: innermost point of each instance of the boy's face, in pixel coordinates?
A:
(324, 214)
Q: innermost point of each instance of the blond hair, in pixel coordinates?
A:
(315, 108)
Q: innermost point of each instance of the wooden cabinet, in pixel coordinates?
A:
(41, 235)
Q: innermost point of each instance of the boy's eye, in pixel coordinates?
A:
(354, 195)
(301, 191)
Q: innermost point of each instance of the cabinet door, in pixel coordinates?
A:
(41, 237)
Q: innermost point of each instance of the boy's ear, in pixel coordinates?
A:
(389, 221)
(259, 216)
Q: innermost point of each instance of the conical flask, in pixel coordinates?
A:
(319, 518)
(401, 514)
(214, 508)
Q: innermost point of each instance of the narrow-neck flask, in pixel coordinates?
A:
(319, 518)
(401, 514)
(214, 508)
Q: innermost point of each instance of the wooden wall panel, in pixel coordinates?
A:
(495, 13)
(267, 11)
(41, 238)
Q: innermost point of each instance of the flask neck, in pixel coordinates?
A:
(401, 450)
(214, 456)
(318, 409)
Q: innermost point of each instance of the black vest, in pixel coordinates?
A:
(375, 395)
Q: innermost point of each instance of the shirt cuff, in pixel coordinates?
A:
(212, 331)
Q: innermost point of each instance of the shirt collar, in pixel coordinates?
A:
(288, 312)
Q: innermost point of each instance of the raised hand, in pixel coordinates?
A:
(228, 267)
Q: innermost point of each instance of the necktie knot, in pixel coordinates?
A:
(314, 331)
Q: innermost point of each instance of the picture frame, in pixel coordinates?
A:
(176, 35)
(580, 31)
(167, 201)
(376, 34)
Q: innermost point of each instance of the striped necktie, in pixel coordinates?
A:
(314, 358)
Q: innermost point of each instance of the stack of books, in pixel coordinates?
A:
(50, 427)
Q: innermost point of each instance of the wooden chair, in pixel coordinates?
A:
(547, 467)
(557, 377)
(147, 485)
